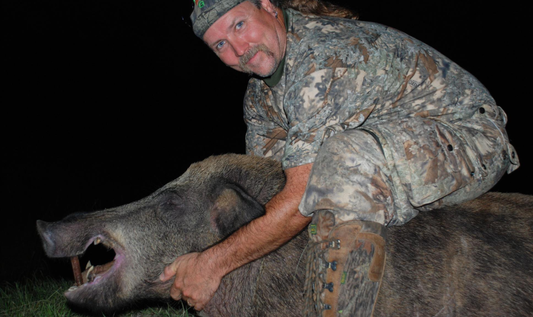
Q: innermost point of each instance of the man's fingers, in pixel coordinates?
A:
(168, 273)
(175, 294)
(198, 307)
(190, 284)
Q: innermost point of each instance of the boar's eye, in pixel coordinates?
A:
(170, 201)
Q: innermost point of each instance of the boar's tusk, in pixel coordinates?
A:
(77, 270)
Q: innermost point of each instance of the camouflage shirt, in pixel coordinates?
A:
(342, 74)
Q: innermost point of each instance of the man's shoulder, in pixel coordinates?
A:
(317, 39)
(311, 28)
(313, 41)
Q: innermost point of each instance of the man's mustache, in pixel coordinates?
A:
(244, 59)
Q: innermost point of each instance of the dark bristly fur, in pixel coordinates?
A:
(474, 259)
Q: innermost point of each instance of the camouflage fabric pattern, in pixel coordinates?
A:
(438, 127)
(352, 177)
(207, 12)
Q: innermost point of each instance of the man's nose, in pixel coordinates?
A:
(240, 47)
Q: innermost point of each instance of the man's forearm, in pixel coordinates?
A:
(281, 222)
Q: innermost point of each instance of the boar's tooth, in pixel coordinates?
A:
(89, 277)
(89, 270)
(72, 288)
(88, 265)
(97, 241)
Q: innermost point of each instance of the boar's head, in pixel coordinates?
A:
(209, 201)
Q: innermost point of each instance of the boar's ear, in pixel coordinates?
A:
(232, 209)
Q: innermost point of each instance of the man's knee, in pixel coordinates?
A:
(350, 176)
(353, 143)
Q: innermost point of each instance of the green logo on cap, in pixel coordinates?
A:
(200, 4)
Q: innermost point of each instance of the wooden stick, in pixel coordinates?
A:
(77, 270)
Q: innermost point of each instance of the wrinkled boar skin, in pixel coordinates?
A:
(474, 259)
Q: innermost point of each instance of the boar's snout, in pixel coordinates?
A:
(46, 237)
(63, 239)
(99, 282)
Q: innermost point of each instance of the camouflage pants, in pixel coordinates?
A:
(388, 173)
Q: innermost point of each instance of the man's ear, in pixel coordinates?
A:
(269, 7)
(232, 209)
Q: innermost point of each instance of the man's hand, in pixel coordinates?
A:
(195, 281)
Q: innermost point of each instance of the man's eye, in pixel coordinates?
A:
(239, 25)
(220, 45)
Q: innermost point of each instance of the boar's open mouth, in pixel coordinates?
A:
(108, 259)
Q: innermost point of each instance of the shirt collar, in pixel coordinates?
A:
(274, 79)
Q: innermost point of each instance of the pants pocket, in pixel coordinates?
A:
(430, 157)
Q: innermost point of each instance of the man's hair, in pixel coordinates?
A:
(312, 7)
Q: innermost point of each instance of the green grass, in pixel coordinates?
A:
(41, 296)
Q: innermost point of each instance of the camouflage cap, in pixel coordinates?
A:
(207, 12)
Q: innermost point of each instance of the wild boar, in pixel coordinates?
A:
(474, 259)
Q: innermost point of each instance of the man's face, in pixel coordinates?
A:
(249, 39)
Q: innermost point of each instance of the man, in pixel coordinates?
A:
(371, 126)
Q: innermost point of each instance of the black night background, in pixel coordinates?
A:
(104, 101)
